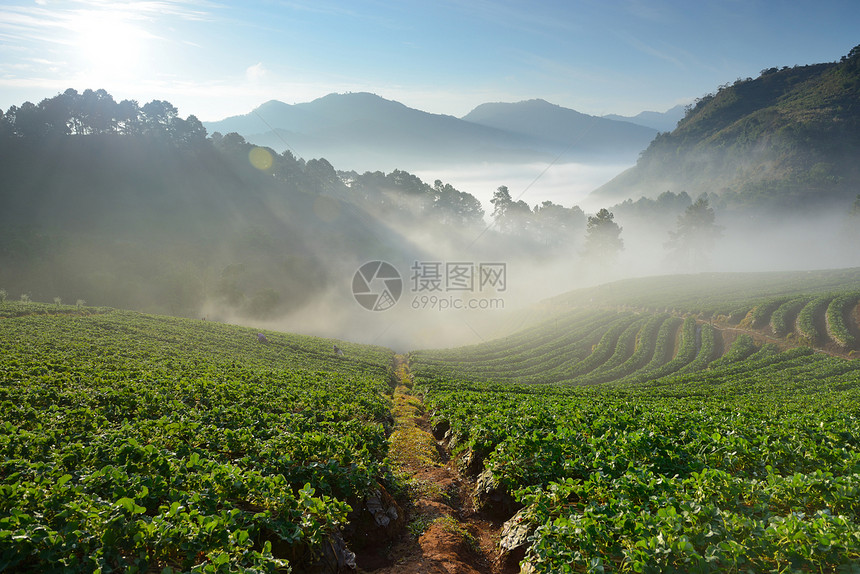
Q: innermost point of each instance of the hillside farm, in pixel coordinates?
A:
(630, 430)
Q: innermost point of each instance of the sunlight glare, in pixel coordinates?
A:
(109, 45)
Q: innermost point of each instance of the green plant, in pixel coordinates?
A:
(418, 525)
(452, 525)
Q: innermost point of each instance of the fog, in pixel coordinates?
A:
(265, 255)
(749, 241)
(567, 184)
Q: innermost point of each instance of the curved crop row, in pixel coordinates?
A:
(760, 316)
(686, 352)
(624, 347)
(782, 320)
(707, 351)
(837, 311)
(743, 347)
(646, 340)
(806, 319)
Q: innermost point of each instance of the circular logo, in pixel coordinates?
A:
(377, 286)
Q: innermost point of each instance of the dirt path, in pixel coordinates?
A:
(445, 534)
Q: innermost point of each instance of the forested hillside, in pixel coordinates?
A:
(133, 206)
(787, 139)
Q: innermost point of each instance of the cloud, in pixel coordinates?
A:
(256, 72)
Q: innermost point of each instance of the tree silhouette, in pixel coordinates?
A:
(603, 237)
(556, 225)
(696, 234)
(510, 216)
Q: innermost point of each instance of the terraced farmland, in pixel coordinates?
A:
(717, 441)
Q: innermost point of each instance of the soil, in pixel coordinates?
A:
(446, 535)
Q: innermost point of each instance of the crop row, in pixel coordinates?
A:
(138, 443)
(753, 463)
(710, 294)
(601, 348)
(839, 318)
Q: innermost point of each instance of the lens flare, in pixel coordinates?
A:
(260, 158)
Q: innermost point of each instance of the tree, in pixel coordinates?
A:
(128, 117)
(695, 235)
(98, 111)
(556, 225)
(501, 202)
(158, 118)
(189, 132)
(454, 207)
(603, 237)
(510, 216)
(855, 208)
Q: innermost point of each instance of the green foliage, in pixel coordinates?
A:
(132, 442)
(780, 141)
(806, 320)
(762, 313)
(784, 315)
(837, 327)
(687, 462)
(743, 347)
(751, 464)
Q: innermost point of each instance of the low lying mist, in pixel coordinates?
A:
(440, 317)
(567, 184)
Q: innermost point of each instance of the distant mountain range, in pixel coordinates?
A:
(660, 121)
(787, 139)
(363, 131)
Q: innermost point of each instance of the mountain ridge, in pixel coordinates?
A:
(660, 121)
(356, 128)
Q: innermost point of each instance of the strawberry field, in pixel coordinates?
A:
(625, 434)
(701, 452)
(138, 443)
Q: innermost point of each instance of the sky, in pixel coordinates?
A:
(215, 59)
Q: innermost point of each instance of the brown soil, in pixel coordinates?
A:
(445, 535)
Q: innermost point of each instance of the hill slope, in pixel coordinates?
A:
(137, 223)
(788, 137)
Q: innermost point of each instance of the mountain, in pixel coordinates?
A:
(789, 138)
(363, 131)
(660, 121)
(563, 128)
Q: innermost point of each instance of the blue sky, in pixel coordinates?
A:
(216, 58)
